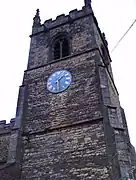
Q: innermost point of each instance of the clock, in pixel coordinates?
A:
(59, 81)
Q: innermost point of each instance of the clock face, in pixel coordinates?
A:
(59, 81)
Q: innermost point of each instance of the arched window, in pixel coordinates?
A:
(60, 47)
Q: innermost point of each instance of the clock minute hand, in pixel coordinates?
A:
(58, 80)
(61, 77)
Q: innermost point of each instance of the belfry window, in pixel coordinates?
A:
(60, 48)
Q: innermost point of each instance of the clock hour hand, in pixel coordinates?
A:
(57, 84)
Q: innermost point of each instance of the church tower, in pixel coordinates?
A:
(69, 123)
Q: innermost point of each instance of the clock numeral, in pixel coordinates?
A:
(66, 82)
(54, 89)
(49, 83)
(50, 86)
(68, 78)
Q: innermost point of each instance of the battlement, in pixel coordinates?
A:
(62, 19)
(6, 128)
(73, 15)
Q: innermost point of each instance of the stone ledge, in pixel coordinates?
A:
(48, 130)
(6, 165)
(65, 58)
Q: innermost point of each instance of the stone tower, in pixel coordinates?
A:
(69, 124)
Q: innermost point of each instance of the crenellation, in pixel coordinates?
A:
(2, 124)
(12, 122)
(6, 127)
(61, 19)
(58, 21)
(48, 21)
(80, 13)
(73, 13)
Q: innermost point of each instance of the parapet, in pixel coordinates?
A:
(6, 128)
(63, 19)
(73, 15)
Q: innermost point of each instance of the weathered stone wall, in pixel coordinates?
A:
(64, 133)
(5, 132)
(54, 139)
(80, 33)
(77, 152)
(4, 144)
(80, 102)
(121, 155)
(110, 95)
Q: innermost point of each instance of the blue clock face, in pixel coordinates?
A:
(59, 81)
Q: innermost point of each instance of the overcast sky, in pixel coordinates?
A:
(114, 17)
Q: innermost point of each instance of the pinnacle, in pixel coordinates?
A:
(37, 12)
(37, 19)
(87, 3)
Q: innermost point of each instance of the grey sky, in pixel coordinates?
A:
(114, 17)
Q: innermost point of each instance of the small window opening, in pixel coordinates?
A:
(103, 51)
(104, 54)
(57, 51)
(61, 48)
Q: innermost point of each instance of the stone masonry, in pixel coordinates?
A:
(80, 133)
